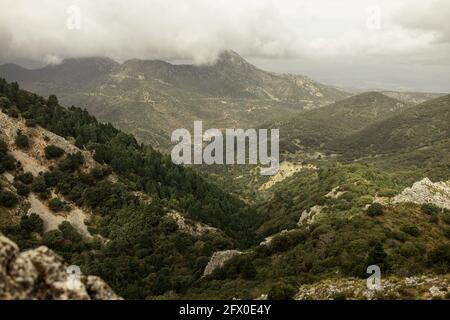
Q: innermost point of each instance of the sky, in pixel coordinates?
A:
(355, 44)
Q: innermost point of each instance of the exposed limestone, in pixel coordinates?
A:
(309, 216)
(418, 287)
(285, 170)
(33, 159)
(267, 241)
(426, 191)
(218, 259)
(41, 274)
(335, 193)
(190, 227)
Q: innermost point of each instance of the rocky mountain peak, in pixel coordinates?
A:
(231, 57)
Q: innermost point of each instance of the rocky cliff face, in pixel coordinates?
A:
(426, 191)
(218, 259)
(42, 274)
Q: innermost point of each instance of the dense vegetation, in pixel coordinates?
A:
(143, 240)
(319, 128)
(342, 240)
(141, 253)
(143, 168)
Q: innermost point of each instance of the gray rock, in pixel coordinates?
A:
(42, 274)
(218, 259)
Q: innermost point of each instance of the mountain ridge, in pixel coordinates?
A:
(151, 98)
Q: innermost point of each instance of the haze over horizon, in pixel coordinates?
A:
(354, 44)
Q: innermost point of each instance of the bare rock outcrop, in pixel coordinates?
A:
(190, 227)
(417, 287)
(426, 191)
(41, 274)
(309, 216)
(218, 259)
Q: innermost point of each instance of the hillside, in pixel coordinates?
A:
(151, 98)
(154, 230)
(412, 98)
(118, 209)
(323, 229)
(315, 128)
(417, 127)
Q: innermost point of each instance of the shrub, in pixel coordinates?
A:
(434, 218)
(31, 123)
(22, 141)
(3, 147)
(377, 256)
(53, 152)
(52, 101)
(26, 178)
(429, 208)
(72, 162)
(39, 185)
(408, 250)
(4, 103)
(53, 239)
(389, 193)
(22, 189)
(446, 217)
(56, 205)
(248, 270)
(69, 232)
(447, 233)
(411, 230)
(7, 162)
(282, 291)
(375, 210)
(339, 296)
(13, 112)
(7, 199)
(440, 254)
(32, 223)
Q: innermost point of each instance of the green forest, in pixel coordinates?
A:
(139, 252)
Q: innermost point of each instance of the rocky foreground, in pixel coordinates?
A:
(425, 287)
(41, 274)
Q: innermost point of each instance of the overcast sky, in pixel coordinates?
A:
(367, 44)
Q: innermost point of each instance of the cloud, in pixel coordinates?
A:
(193, 29)
(320, 32)
(429, 17)
(199, 29)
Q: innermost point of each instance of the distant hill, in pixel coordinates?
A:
(412, 97)
(151, 98)
(417, 127)
(315, 128)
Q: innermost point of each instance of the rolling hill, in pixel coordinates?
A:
(315, 128)
(417, 127)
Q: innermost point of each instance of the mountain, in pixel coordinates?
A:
(412, 97)
(416, 127)
(315, 128)
(116, 208)
(151, 98)
(71, 73)
(150, 229)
